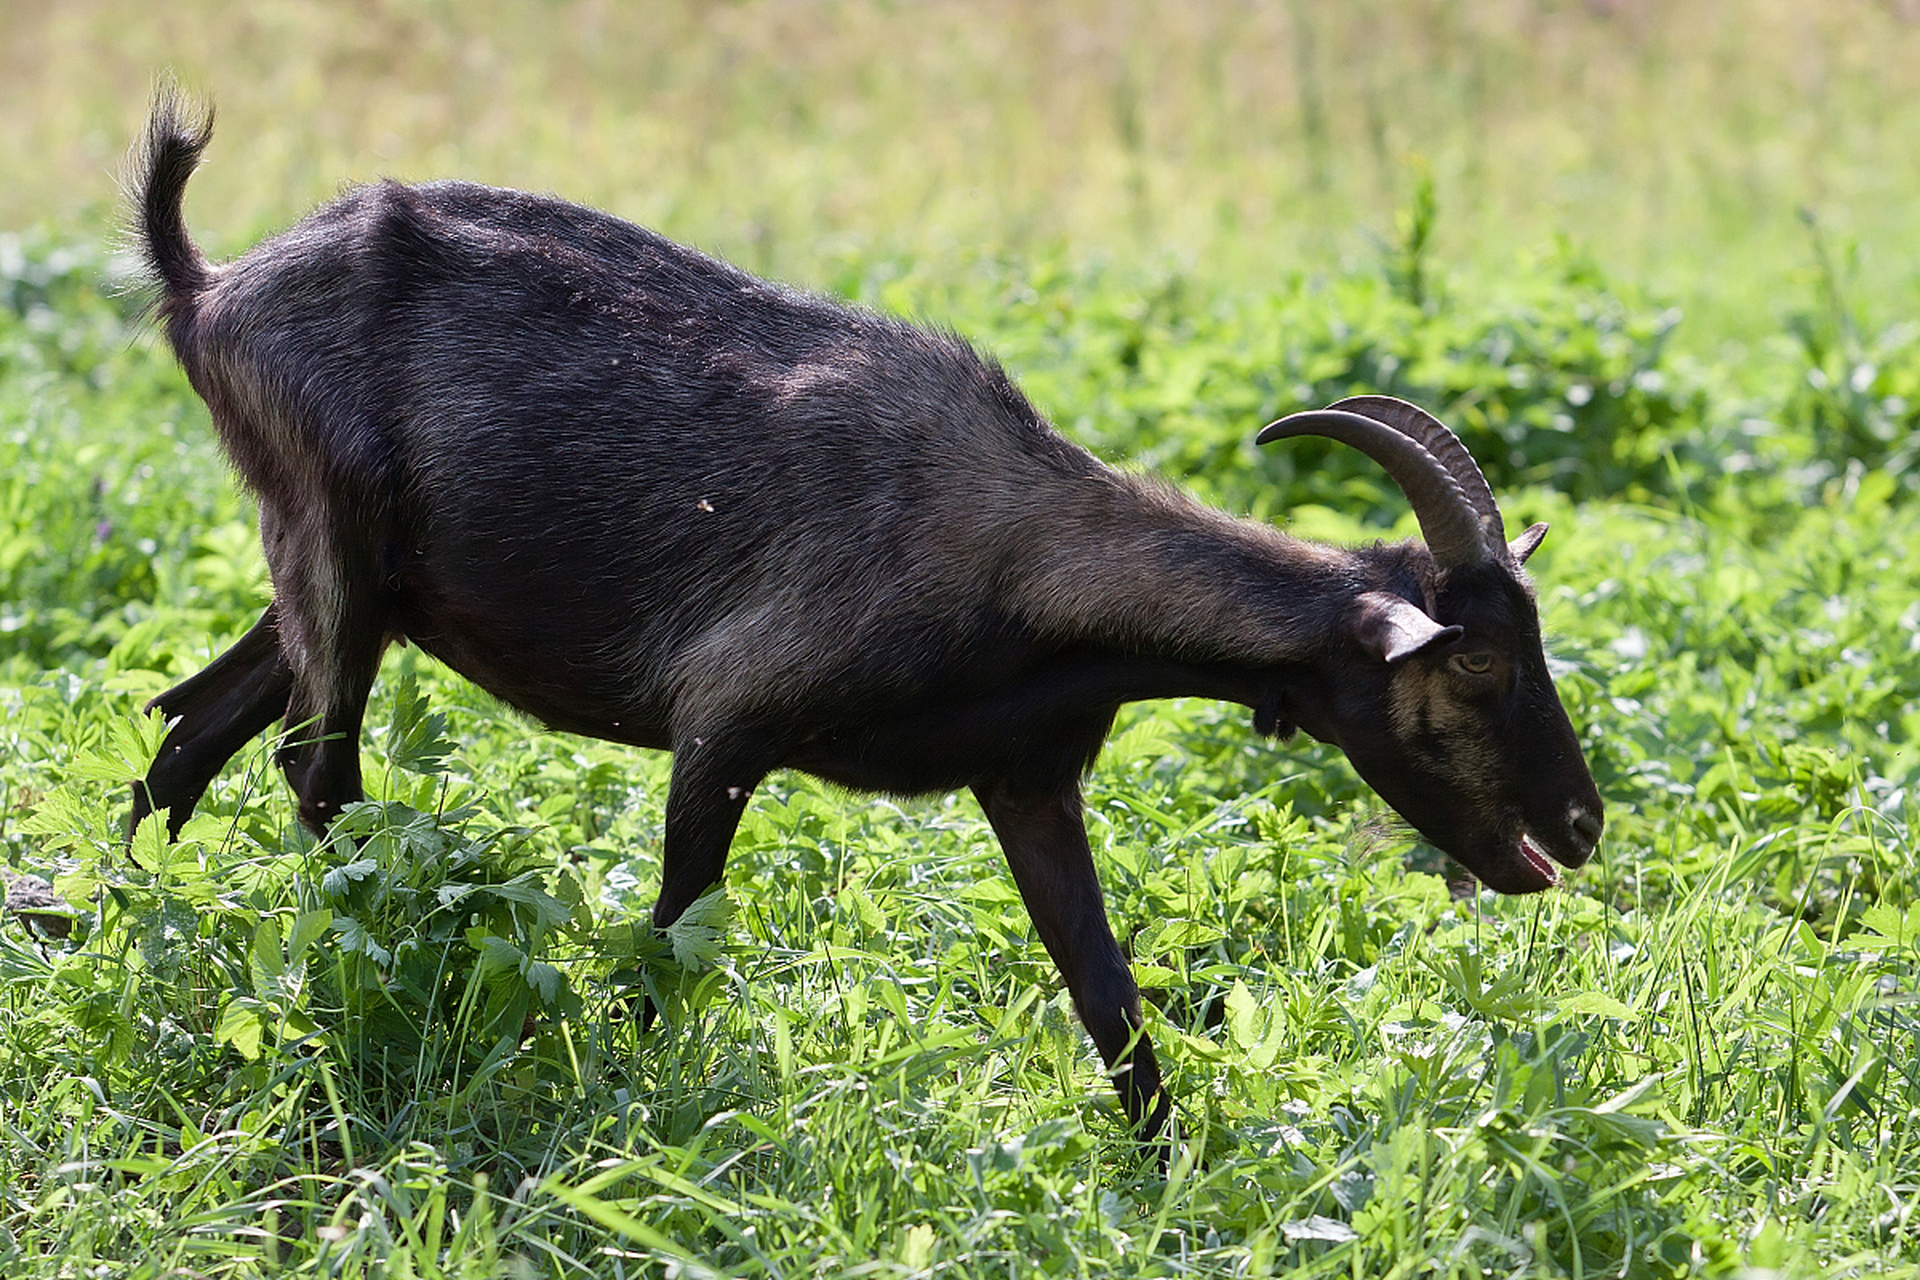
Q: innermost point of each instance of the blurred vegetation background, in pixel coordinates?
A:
(1675, 143)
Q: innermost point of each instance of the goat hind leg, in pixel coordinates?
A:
(218, 711)
(335, 631)
(321, 753)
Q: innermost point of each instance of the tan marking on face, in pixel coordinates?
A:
(1422, 697)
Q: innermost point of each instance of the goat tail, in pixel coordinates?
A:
(178, 131)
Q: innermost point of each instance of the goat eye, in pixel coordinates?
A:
(1473, 664)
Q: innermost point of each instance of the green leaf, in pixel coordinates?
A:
(699, 935)
(862, 908)
(149, 847)
(1177, 935)
(267, 961)
(338, 881)
(242, 1024)
(355, 939)
(1596, 1003)
(416, 740)
(1885, 922)
(1243, 1015)
(524, 889)
(496, 952)
(63, 819)
(308, 927)
(545, 980)
(127, 754)
(1154, 977)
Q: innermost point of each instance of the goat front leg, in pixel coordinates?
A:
(218, 711)
(1045, 840)
(714, 774)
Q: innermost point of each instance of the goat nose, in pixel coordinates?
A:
(1586, 827)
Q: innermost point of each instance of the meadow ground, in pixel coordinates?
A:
(1653, 261)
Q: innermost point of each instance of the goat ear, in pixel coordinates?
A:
(1527, 543)
(1393, 629)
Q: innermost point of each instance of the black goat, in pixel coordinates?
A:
(646, 497)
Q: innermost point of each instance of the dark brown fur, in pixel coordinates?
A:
(646, 497)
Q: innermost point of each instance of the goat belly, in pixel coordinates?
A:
(1046, 722)
(521, 654)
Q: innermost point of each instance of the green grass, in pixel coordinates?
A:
(416, 1052)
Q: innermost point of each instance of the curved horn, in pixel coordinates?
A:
(1416, 423)
(1450, 521)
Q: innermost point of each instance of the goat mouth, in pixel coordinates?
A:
(1537, 860)
(1517, 865)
